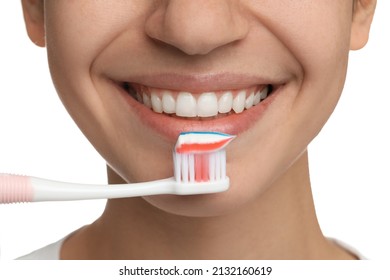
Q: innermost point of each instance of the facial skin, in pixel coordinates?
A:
(299, 47)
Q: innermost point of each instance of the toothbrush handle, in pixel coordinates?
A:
(16, 188)
(47, 190)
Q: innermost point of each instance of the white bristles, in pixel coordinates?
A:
(177, 166)
(212, 176)
(186, 167)
(223, 163)
(191, 166)
(218, 165)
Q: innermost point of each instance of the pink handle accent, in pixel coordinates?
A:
(15, 188)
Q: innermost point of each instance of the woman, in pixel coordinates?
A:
(114, 63)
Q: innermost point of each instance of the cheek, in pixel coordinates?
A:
(77, 32)
(316, 33)
(320, 42)
(72, 44)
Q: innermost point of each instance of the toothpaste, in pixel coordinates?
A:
(201, 142)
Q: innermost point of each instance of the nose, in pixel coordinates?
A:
(197, 27)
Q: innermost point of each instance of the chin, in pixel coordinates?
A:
(208, 205)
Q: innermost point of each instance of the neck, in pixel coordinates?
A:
(281, 224)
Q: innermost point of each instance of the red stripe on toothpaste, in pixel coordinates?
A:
(202, 142)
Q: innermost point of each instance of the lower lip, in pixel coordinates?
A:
(170, 127)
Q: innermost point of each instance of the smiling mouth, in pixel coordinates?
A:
(198, 106)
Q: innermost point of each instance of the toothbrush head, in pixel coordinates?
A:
(200, 162)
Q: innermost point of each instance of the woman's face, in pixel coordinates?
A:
(104, 55)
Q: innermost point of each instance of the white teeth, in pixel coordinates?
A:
(264, 93)
(239, 102)
(207, 105)
(186, 105)
(257, 98)
(249, 101)
(156, 103)
(168, 103)
(225, 103)
(146, 100)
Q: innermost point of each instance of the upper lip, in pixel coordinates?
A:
(199, 83)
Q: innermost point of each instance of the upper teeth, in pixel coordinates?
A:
(208, 104)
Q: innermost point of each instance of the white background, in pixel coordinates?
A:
(350, 160)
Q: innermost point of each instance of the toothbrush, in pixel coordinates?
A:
(199, 168)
